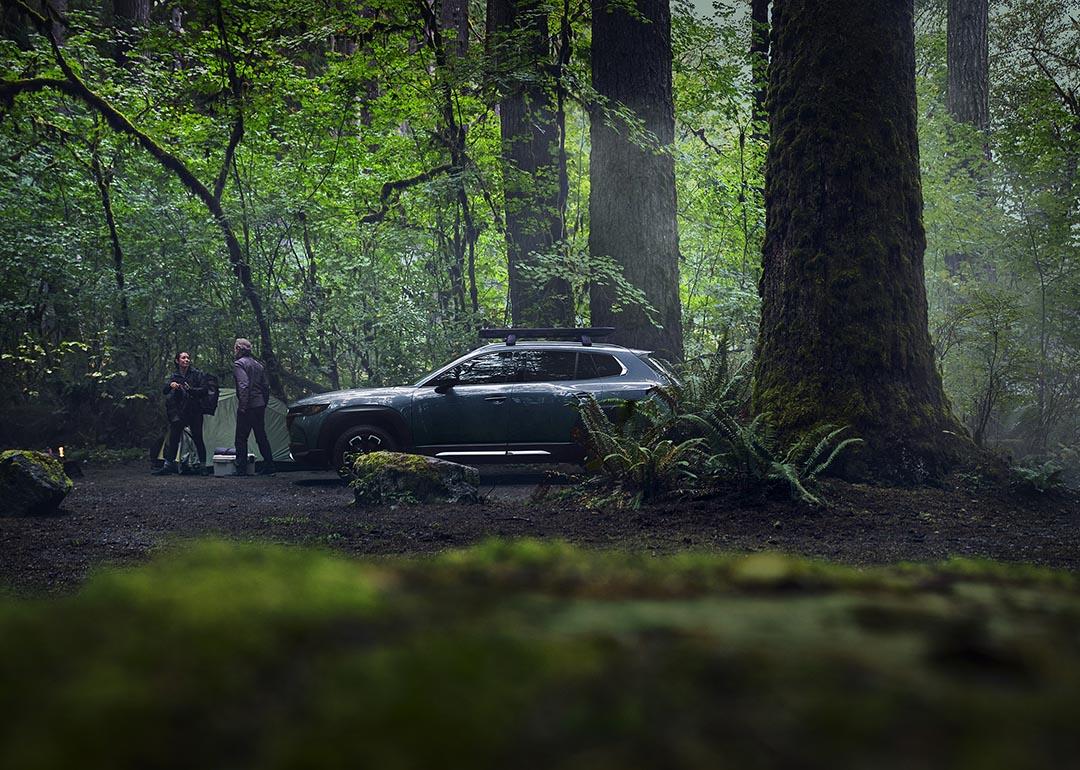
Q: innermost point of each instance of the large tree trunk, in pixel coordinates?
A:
(844, 336)
(968, 56)
(534, 207)
(632, 194)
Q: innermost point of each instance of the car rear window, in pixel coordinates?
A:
(659, 367)
(548, 365)
(594, 365)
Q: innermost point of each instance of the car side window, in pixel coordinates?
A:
(489, 369)
(548, 365)
(596, 365)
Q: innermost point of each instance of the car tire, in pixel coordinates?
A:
(361, 439)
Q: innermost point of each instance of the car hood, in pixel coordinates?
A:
(357, 395)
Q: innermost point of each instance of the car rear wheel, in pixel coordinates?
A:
(361, 439)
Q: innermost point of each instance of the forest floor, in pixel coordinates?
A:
(119, 514)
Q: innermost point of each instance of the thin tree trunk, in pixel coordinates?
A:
(759, 62)
(632, 195)
(968, 87)
(844, 336)
(532, 176)
(967, 58)
(103, 179)
(454, 21)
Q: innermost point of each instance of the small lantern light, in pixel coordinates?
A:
(61, 452)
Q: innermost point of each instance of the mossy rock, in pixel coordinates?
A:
(380, 478)
(31, 482)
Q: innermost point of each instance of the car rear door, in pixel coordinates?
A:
(543, 416)
(542, 412)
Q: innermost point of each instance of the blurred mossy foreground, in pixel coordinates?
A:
(524, 654)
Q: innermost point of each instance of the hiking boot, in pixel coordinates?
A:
(165, 470)
(239, 472)
(208, 470)
(266, 468)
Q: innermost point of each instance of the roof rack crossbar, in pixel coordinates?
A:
(511, 336)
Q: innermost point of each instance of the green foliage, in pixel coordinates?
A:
(698, 431)
(1038, 477)
(541, 655)
(751, 455)
(366, 151)
(1001, 216)
(632, 450)
(713, 403)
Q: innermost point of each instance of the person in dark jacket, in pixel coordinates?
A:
(183, 393)
(252, 396)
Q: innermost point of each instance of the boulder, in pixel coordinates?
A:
(31, 482)
(381, 478)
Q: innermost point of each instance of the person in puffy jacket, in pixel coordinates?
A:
(252, 396)
(183, 391)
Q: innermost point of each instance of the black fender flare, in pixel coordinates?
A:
(385, 417)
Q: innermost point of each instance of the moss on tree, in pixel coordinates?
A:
(844, 335)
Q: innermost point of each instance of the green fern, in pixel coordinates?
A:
(696, 429)
(633, 451)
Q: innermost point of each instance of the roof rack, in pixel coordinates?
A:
(511, 336)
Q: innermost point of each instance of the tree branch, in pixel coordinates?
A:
(236, 90)
(391, 190)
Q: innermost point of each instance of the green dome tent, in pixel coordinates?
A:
(219, 432)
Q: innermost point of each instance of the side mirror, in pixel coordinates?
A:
(443, 385)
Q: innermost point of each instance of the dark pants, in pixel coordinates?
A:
(251, 419)
(176, 429)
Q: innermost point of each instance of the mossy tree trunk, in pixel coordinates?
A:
(520, 46)
(632, 177)
(844, 336)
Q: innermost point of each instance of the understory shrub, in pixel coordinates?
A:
(699, 431)
(1040, 477)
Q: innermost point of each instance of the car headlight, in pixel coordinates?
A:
(310, 409)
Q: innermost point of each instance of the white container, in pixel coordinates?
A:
(224, 465)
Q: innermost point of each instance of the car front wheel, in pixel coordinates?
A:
(361, 439)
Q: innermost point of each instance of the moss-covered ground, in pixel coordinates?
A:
(528, 654)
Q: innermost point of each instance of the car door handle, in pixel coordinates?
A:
(495, 399)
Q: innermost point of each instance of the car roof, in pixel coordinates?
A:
(562, 345)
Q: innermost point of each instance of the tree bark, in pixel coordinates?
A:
(132, 12)
(844, 336)
(532, 175)
(632, 195)
(454, 20)
(967, 59)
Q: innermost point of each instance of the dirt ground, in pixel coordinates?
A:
(120, 515)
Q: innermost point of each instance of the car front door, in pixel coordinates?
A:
(469, 418)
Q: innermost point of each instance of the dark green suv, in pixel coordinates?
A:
(505, 402)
